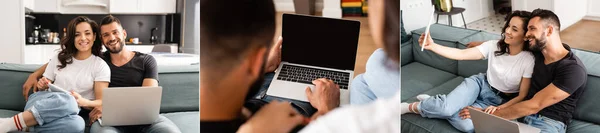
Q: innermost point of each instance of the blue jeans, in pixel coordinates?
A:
(474, 91)
(547, 125)
(380, 80)
(55, 112)
(161, 125)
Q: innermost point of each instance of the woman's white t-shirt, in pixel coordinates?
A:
(506, 71)
(79, 75)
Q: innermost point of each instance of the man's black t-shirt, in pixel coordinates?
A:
(568, 74)
(230, 126)
(134, 72)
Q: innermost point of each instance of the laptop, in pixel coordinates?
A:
(487, 123)
(122, 106)
(315, 47)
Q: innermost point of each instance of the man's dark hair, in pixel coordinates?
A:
(109, 19)
(391, 29)
(228, 31)
(546, 16)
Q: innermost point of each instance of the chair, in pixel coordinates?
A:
(163, 48)
(453, 11)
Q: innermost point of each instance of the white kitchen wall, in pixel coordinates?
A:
(415, 13)
(568, 11)
(593, 12)
(13, 27)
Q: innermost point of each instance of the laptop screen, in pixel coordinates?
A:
(318, 41)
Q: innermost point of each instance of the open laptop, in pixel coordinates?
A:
(487, 123)
(315, 47)
(123, 106)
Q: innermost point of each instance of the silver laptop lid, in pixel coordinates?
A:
(130, 105)
(486, 123)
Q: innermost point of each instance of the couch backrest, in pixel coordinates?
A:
(471, 67)
(12, 77)
(588, 108)
(443, 35)
(180, 86)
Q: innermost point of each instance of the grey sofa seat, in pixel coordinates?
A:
(424, 72)
(179, 101)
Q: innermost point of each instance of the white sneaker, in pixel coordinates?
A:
(422, 97)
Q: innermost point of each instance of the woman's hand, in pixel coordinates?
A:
(81, 102)
(491, 109)
(429, 44)
(42, 84)
(465, 114)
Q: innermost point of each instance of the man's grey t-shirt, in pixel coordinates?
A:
(134, 72)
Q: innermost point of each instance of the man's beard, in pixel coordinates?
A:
(540, 43)
(118, 49)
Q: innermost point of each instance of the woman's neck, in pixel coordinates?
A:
(83, 55)
(515, 49)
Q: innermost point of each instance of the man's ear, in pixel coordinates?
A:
(124, 34)
(255, 61)
(550, 30)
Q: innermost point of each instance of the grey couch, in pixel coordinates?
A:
(428, 73)
(179, 97)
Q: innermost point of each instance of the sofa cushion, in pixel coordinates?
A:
(188, 122)
(13, 76)
(406, 53)
(8, 113)
(577, 126)
(180, 88)
(413, 123)
(443, 35)
(418, 78)
(443, 88)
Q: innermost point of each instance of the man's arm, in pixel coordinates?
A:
(151, 72)
(546, 97)
(32, 81)
(149, 82)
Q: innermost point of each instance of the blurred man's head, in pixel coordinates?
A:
(543, 25)
(234, 41)
(112, 34)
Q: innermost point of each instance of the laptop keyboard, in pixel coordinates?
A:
(307, 75)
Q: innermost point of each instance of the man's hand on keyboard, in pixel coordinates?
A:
(326, 95)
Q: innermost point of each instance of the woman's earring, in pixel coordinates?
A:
(502, 35)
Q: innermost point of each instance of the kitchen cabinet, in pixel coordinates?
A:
(29, 4)
(123, 6)
(142, 6)
(157, 6)
(47, 6)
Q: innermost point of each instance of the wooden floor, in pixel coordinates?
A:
(583, 35)
(366, 46)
